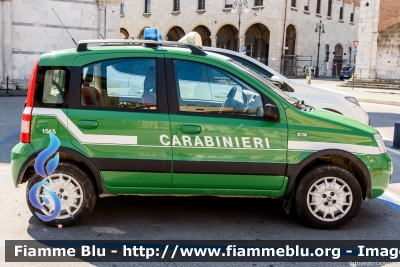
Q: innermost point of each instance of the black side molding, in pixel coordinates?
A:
(133, 165)
(212, 167)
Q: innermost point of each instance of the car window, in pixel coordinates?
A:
(217, 92)
(52, 86)
(261, 79)
(260, 71)
(121, 83)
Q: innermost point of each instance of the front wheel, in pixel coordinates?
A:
(66, 197)
(328, 196)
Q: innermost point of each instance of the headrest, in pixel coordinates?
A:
(150, 80)
(88, 79)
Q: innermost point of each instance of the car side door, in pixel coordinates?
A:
(116, 116)
(222, 143)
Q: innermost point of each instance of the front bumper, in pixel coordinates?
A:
(381, 168)
(19, 161)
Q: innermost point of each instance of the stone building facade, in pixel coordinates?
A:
(271, 31)
(379, 36)
(29, 28)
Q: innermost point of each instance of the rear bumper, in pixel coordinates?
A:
(19, 161)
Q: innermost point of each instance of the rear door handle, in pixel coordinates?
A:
(88, 124)
(191, 129)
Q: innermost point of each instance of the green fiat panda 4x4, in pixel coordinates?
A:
(164, 118)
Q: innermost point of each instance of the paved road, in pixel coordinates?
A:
(193, 218)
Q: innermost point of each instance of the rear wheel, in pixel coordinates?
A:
(74, 195)
(328, 196)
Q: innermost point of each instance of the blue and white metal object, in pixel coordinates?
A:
(150, 34)
(355, 51)
(243, 50)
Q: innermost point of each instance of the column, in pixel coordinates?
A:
(368, 37)
(242, 40)
(102, 19)
(259, 48)
(213, 40)
(275, 48)
(7, 40)
(112, 28)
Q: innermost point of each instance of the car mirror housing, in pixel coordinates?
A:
(271, 113)
(277, 81)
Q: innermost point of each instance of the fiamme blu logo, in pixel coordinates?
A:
(40, 194)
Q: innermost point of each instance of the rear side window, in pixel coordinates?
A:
(52, 86)
(120, 83)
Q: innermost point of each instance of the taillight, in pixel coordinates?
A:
(27, 114)
(26, 125)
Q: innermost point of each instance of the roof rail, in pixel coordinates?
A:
(83, 44)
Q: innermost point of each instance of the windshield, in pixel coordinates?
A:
(263, 71)
(347, 68)
(263, 80)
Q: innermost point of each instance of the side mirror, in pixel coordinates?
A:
(278, 82)
(271, 113)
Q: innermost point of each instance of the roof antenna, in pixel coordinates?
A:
(64, 26)
(101, 36)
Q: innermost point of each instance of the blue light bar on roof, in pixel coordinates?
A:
(150, 34)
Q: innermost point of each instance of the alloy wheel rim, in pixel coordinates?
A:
(329, 199)
(67, 189)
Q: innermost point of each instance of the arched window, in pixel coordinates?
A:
(124, 33)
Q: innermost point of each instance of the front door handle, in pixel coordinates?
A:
(88, 124)
(191, 129)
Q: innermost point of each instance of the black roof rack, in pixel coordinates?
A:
(82, 45)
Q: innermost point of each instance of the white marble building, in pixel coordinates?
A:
(268, 27)
(379, 36)
(29, 28)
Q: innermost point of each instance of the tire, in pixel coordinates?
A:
(341, 78)
(316, 180)
(76, 203)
